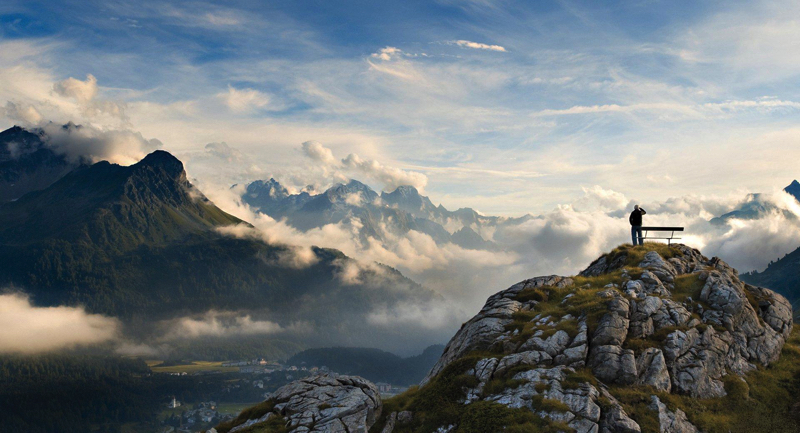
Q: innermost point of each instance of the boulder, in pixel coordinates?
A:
(328, 403)
(651, 369)
(671, 422)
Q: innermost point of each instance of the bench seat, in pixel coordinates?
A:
(669, 239)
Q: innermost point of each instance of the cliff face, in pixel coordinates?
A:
(645, 339)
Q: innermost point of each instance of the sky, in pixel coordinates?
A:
(506, 107)
(570, 111)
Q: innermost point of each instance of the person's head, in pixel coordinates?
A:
(636, 207)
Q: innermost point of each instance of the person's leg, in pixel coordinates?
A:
(633, 235)
(641, 237)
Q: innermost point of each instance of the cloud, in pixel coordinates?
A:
(224, 152)
(21, 112)
(218, 324)
(430, 316)
(82, 91)
(319, 153)
(387, 53)
(243, 100)
(25, 328)
(332, 169)
(390, 177)
(477, 46)
(92, 144)
(598, 198)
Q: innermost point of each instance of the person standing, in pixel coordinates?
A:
(636, 224)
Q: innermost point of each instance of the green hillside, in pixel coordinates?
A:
(140, 241)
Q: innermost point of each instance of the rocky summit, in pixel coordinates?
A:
(321, 403)
(650, 338)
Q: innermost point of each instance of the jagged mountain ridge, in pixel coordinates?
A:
(645, 339)
(141, 243)
(150, 202)
(397, 212)
(27, 164)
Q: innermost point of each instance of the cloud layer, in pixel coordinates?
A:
(25, 328)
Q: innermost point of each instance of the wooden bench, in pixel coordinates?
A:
(669, 239)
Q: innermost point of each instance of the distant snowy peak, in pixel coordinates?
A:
(396, 212)
(353, 193)
(271, 188)
(408, 199)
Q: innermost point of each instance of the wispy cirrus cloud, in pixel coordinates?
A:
(477, 45)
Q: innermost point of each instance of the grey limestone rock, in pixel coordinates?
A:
(671, 422)
(325, 403)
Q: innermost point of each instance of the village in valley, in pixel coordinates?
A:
(241, 384)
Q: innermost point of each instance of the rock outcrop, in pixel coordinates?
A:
(566, 353)
(677, 324)
(323, 403)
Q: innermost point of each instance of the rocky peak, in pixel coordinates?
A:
(162, 160)
(27, 164)
(408, 199)
(320, 403)
(346, 192)
(600, 352)
(793, 189)
(267, 189)
(664, 318)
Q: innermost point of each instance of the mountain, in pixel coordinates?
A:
(793, 189)
(782, 276)
(141, 243)
(652, 338)
(373, 364)
(377, 216)
(755, 206)
(27, 164)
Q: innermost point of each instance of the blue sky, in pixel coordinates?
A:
(508, 107)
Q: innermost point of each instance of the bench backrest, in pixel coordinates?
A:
(664, 229)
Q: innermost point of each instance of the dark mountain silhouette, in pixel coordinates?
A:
(140, 242)
(782, 276)
(27, 164)
(372, 364)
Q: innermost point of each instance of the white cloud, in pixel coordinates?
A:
(319, 153)
(25, 113)
(478, 46)
(86, 142)
(353, 165)
(82, 91)
(390, 177)
(25, 328)
(218, 324)
(243, 100)
(387, 53)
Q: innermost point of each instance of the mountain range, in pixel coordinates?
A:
(141, 243)
(376, 215)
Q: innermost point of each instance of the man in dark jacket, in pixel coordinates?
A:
(636, 224)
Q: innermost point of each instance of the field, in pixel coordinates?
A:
(223, 408)
(193, 367)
